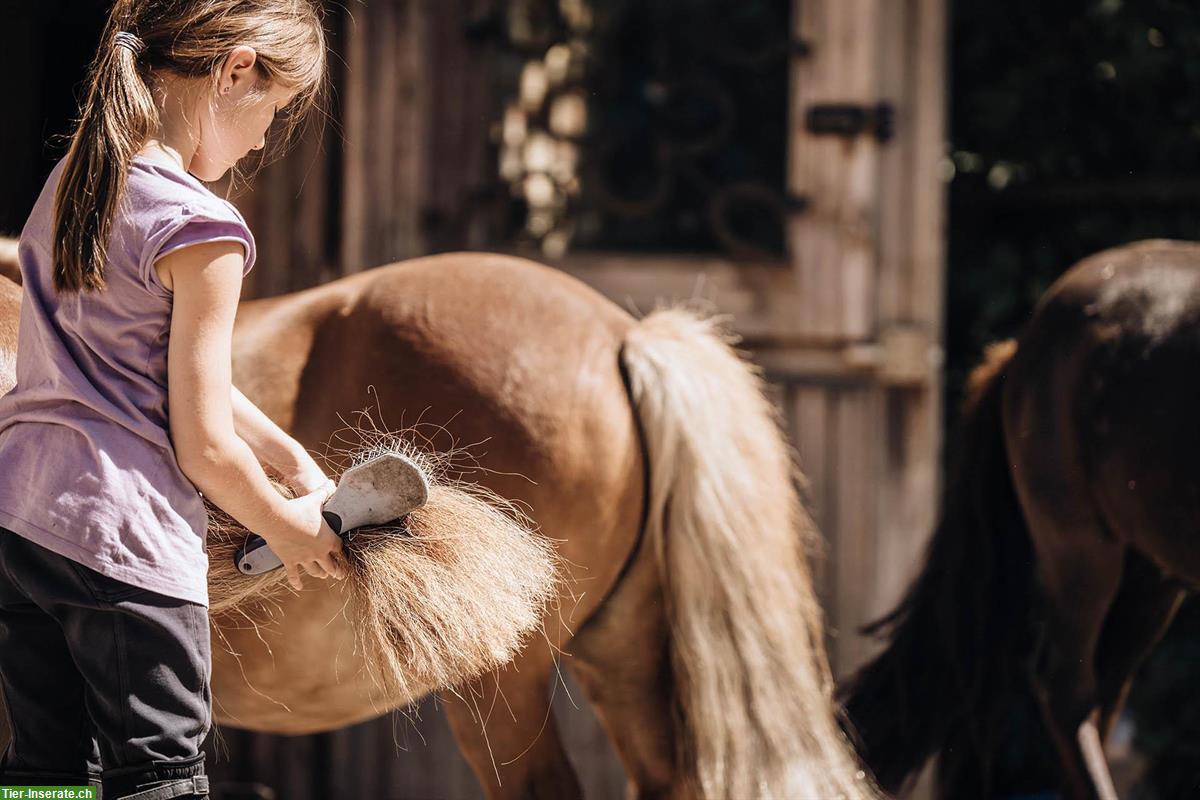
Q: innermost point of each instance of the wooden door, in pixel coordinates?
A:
(867, 254)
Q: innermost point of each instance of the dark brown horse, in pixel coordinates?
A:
(1068, 539)
(645, 450)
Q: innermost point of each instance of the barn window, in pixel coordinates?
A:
(657, 126)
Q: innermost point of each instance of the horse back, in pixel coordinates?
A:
(503, 339)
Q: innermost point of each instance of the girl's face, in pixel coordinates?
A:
(235, 121)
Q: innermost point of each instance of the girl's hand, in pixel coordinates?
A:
(307, 543)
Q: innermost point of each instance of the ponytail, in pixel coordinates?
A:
(118, 117)
(187, 38)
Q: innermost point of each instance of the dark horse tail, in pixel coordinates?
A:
(952, 641)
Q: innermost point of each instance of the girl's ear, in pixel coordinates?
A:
(238, 73)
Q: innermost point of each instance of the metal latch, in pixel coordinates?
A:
(849, 119)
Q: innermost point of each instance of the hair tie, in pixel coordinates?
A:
(130, 42)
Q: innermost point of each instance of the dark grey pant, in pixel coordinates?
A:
(105, 682)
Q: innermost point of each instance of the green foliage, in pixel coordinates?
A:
(1075, 126)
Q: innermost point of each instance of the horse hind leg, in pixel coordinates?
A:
(1079, 567)
(1145, 605)
(620, 658)
(1079, 560)
(506, 732)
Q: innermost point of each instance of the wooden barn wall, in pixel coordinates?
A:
(868, 258)
(399, 164)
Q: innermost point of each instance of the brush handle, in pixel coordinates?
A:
(255, 556)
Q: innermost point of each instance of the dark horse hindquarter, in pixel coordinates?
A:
(1066, 528)
(1100, 418)
(1103, 401)
(1139, 410)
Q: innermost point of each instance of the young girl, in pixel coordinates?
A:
(132, 271)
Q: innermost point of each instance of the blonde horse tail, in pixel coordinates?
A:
(751, 677)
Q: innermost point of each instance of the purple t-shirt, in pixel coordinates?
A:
(87, 464)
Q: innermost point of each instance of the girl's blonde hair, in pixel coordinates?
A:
(189, 38)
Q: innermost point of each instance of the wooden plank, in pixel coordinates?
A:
(912, 190)
(830, 366)
(855, 470)
(294, 778)
(914, 274)
(907, 491)
(372, 737)
(287, 208)
(356, 129)
(230, 765)
(414, 177)
(929, 223)
(459, 162)
(344, 756)
(761, 297)
(260, 760)
(417, 756)
(384, 216)
(896, 164)
(309, 172)
(929, 132)
(833, 243)
(273, 200)
(409, 753)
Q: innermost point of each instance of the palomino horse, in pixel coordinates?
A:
(1067, 540)
(645, 450)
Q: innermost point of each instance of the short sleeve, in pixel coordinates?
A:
(194, 226)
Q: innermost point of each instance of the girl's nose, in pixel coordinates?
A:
(261, 143)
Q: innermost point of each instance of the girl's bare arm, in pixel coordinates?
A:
(206, 281)
(275, 448)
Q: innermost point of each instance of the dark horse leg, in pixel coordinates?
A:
(1077, 589)
(1079, 563)
(1145, 605)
